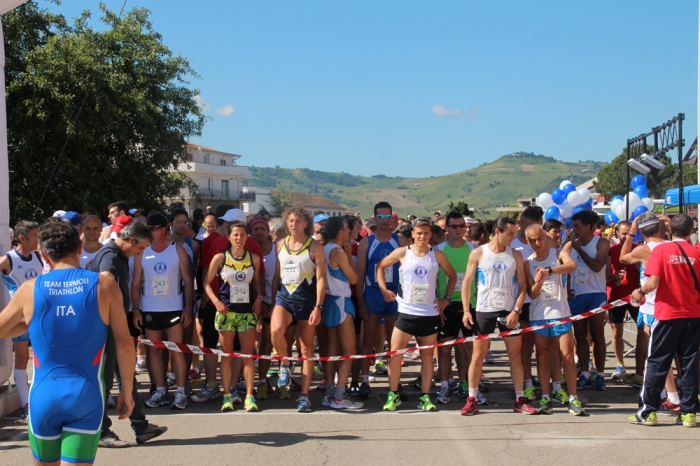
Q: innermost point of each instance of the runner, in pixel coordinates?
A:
(91, 240)
(501, 289)
(420, 310)
(552, 229)
(298, 291)
(236, 308)
(67, 313)
(587, 292)
(114, 211)
(162, 286)
(373, 305)
(19, 265)
(546, 270)
(208, 227)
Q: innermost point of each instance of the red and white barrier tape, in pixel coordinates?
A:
(183, 348)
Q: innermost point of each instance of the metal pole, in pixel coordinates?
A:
(627, 202)
(680, 162)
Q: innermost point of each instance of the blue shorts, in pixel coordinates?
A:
(336, 310)
(556, 331)
(644, 319)
(21, 339)
(298, 311)
(375, 303)
(587, 302)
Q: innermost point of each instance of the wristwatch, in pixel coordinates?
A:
(448, 297)
(519, 310)
(136, 309)
(549, 269)
(319, 306)
(641, 292)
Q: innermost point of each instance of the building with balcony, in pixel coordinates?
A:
(219, 178)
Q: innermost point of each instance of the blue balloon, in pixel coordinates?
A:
(611, 218)
(569, 223)
(638, 211)
(617, 197)
(552, 212)
(641, 191)
(589, 201)
(569, 188)
(580, 208)
(638, 180)
(558, 196)
(638, 238)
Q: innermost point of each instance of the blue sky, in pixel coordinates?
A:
(428, 88)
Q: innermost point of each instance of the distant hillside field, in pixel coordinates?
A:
(490, 184)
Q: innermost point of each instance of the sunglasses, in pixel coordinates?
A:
(459, 225)
(419, 221)
(383, 216)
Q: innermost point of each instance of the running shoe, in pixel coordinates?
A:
(227, 404)
(443, 396)
(195, 375)
(418, 382)
(24, 412)
(141, 367)
(180, 401)
(363, 392)
(207, 393)
(271, 372)
(619, 372)
(261, 392)
(562, 380)
(157, 399)
(236, 398)
(634, 380)
(561, 396)
(250, 404)
(425, 404)
(599, 383)
(545, 406)
(111, 440)
(111, 404)
(489, 358)
(576, 408)
(463, 389)
(471, 407)
(323, 385)
(529, 394)
(170, 379)
(591, 367)
(380, 367)
(370, 378)
(484, 386)
(318, 371)
(481, 399)
(326, 401)
(283, 394)
(285, 377)
(150, 432)
(668, 406)
(522, 406)
(402, 394)
(354, 390)
(304, 405)
(392, 402)
(686, 420)
(453, 386)
(241, 386)
(345, 403)
(650, 420)
(584, 382)
(535, 382)
(294, 386)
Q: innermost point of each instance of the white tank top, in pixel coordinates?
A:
(552, 302)
(648, 306)
(418, 284)
(583, 279)
(86, 259)
(161, 284)
(526, 250)
(270, 265)
(21, 269)
(336, 282)
(497, 285)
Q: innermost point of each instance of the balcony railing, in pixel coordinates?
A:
(229, 194)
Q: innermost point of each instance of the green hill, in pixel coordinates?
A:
(490, 184)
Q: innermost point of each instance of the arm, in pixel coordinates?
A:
(611, 233)
(648, 287)
(214, 266)
(316, 251)
(14, 320)
(469, 275)
(396, 256)
(276, 276)
(596, 264)
(187, 278)
(343, 260)
(4, 265)
(136, 292)
(257, 285)
(514, 316)
(451, 279)
(196, 249)
(533, 288)
(361, 273)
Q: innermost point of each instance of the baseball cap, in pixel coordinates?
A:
(371, 223)
(394, 216)
(234, 215)
(59, 213)
(132, 211)
(321, 217)
(120, 222)
(468, 220)
(73, 218)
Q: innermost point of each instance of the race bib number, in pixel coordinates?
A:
(549, 290)
(582, 277)
(460, 279)
(290, 274)
(240, 293)
(160, 285)
(420, 294)
(497, 299)
(388, 274)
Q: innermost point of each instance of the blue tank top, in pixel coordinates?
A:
(376, 251)
(67, 332)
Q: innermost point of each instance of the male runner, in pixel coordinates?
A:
(501, 289)
(162, 295)
(545, 270)
(114, 211)
(420, 309)
(91, 243)
(587, 292)
(552, 229)
(67, 313)
(374, 304)
(19, 265)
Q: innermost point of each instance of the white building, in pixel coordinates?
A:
(260, 200)
(317, 203)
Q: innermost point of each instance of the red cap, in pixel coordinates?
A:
(121, 222)
(394, 216)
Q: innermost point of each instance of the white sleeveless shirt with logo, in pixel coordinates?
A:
(497, 285)
(418, 284)
(161, 283)
(552, 302)
(648, 306)
(336, 282)
(583, 279)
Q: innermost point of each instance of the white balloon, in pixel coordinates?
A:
(573, 198)
(545, 201)
(648, 203)
(566, 210)
(634, 201)
(584, 195)
(564, 183)
(614, 204)
(620, 211)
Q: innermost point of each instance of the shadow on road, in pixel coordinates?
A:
(267, 439)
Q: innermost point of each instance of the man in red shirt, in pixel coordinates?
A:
(673, 270)
(622, 280)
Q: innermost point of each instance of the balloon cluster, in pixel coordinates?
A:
(639, 200)
(565, 202)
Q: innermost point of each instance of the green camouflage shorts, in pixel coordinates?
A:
(235, 322)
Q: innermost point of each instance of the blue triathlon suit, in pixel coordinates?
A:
(374, 300)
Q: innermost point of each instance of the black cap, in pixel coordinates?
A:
(157, 219)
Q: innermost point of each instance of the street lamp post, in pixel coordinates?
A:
(405, 203)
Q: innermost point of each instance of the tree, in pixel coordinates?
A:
(461, 207)
(136, 112)
(612, 178)
(279, 201)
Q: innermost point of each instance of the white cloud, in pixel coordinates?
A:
(443, 112)
(203, 104)
(225, 111)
